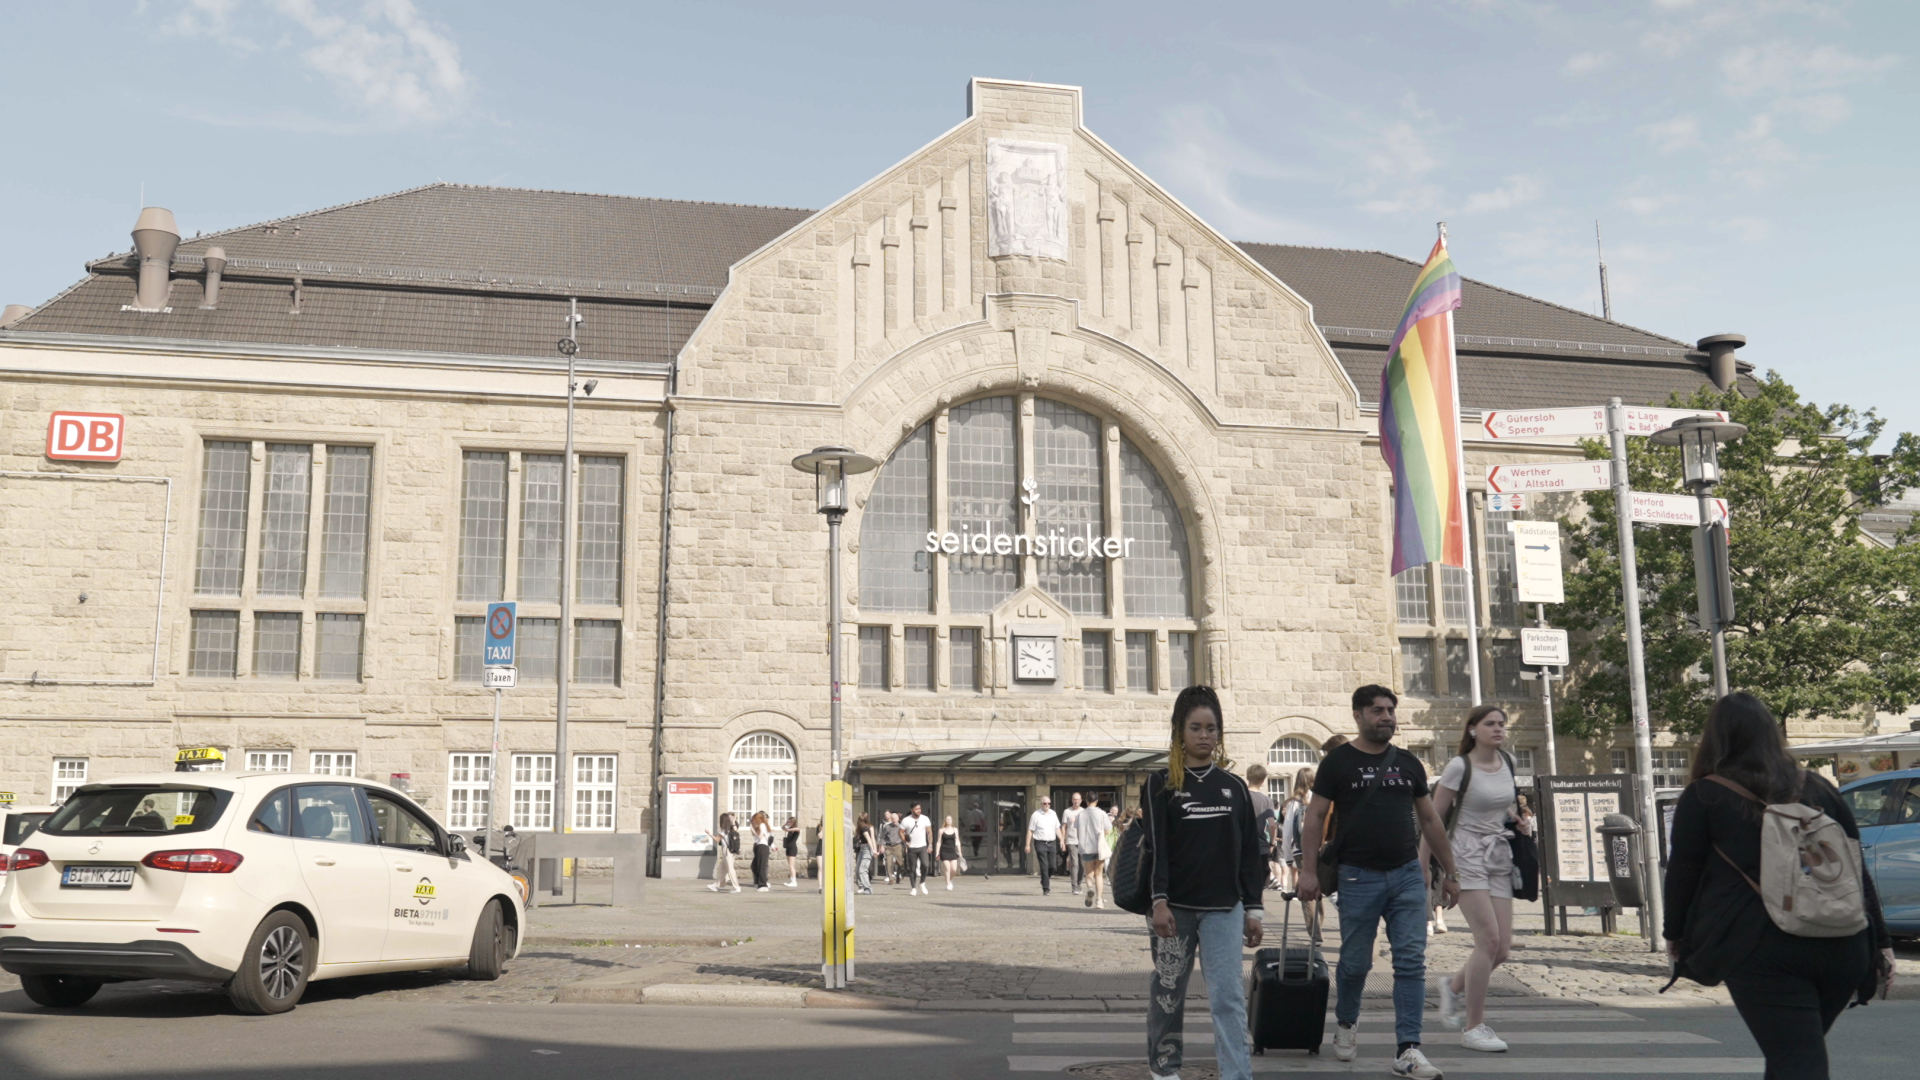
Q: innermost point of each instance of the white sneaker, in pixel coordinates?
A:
(949, 886)
(793, 884)
(762, 888)
(715, 887)
(1346, 1041)
(1450, 1004)
(1439, 924)
(736, 888)
(1482, 1038)
(1412, 1062)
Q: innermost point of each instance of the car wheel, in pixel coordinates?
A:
(59, 991)
(273, 970)
(488, 957)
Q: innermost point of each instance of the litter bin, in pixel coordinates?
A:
(1622, 835)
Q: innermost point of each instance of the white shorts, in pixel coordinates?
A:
(1485, 862)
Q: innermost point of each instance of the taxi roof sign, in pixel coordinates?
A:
(200, 753)
(5, 797)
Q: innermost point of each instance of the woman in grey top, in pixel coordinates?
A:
(1475, 797)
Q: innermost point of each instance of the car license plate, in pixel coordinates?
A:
(97, 877)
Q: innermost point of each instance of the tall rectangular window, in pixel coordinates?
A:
(740, 798)
(276, 644)
(343, 535)
(533, 791)
(283, 520)
(334, 762)
(1459, 680)
(965, 658)
(896, 571)
(469, 648)
(538, 650)
(1095, 674)
(919, 657)
(1618, 760)
(1411, 604)
(269, 761)
(873, 658)
(223, 517)
(483, 525)
(1503, 582)
(68, 775)
(601, 508)
(1069, 466)
(1180, 661)
(469, 787)
(1670, 768)
(596, 652)
(1523, 760)
(1140, 661)
(215, 645)
(338, 659)
(1416, 665)
(1453, 595)
(1506, 669)
(540, 514)
(783, 803)
(983, 465)
(593, 791)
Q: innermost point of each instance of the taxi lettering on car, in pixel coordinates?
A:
(258, 882)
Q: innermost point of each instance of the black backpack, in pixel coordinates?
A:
(733, 841)
(1133, 870)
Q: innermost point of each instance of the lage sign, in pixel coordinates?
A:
(85, 436)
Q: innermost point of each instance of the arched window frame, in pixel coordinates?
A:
(766, 763)
(1169, 638)
(1287, 756)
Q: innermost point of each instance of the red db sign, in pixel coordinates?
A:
(85, 436)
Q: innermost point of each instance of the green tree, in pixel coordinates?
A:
(1826, 623)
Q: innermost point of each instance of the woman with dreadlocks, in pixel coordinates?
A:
(1208, 875)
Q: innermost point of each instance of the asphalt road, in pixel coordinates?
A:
(342, 1033)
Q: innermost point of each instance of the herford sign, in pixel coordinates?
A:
(1055, 543)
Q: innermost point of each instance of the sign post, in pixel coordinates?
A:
(1537, 571)
(497, 654)
(1623, 498)
(836, 931)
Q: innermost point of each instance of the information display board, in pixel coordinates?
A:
(690, 815)
(1573, 854)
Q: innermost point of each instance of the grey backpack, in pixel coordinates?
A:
(1810, 877)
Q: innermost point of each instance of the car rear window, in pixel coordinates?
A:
(135, 810)
(18, 826)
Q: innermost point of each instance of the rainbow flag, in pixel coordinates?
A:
(1420, 421)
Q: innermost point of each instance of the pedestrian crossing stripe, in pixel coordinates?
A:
(1494, 1016)
(1385, 1038)
(1478, 1065)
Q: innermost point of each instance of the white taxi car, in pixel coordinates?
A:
(257, 881)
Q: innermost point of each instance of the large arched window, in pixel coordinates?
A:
(1157, 574)
(895, 570)
(1292, 752)
(761, 776)
(983, 488)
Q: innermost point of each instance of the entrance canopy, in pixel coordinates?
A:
(1903, 741)
(1052, 758)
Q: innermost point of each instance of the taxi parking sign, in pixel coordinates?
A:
(503, 625)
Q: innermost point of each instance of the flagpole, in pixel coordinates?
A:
(1466, 513)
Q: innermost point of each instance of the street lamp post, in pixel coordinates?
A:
(830, 466)
(1699, 440)
(563, 668)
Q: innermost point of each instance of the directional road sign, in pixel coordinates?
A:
(1582, 422)
(500, 676)
(1551, 476)
(503, 624)
(1673, 509)
(1540, 645)
(1536, 562)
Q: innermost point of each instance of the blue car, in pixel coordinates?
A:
(1887, 806)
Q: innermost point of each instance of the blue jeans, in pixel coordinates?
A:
(863, 870)
(1399, 896)
(1217, 936)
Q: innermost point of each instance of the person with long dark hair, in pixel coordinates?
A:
(1208, 875)
(726, 844)
(1789, 989)
(762, 848)
(863, 848)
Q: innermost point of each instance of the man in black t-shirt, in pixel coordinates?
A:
(1381, 809)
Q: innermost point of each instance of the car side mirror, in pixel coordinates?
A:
(456, 846)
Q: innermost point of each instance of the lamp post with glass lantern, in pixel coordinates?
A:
(830, 466)
(1699, 440)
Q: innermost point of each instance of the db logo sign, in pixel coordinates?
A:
(85, 436)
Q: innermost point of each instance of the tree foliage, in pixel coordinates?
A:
(1826, 622)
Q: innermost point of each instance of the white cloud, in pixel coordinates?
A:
(1209, 167)
(1781, 67)
(1518, 191)
(1649, 204)
(1751, 230)
(1586, 63)
(1669, 136)
(1820, 111)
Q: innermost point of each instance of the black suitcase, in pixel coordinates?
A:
(1287, 995)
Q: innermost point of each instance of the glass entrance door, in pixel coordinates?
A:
(993, 830)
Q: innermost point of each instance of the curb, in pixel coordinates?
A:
(588, 941)
(739, 995)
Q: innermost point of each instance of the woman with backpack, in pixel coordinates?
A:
(1729, 835)
(726, 844)
(1208, 876)
(1476, 797)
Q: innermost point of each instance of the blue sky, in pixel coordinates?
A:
(1749, 161)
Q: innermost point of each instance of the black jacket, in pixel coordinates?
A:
(1206, 845)
(1715, 915)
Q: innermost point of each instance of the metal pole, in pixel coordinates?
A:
(1714, 547)
(493, 784)
(563, 768)
(833, 635)
(1651, 915)
(1546, 699)
(1466, 511)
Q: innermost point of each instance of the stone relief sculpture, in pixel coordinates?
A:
(1026, 198)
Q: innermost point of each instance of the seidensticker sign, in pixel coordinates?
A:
(1056, 543)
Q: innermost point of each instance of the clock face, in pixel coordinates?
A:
(1033, 658)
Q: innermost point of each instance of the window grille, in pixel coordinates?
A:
(783, 801)
(1156, 572)
(540, 513)
(469, 787)
(1506, 669)
(1071, 502)
(602, 504)
(339, 654)
(215, 645)
(334, 762)
(763, 746)
(269, 761)
(1411, 603)
(469, 648)
(965, 649)
(68, 775)
(537, 650)
(1292, 752)
(1671, 768)
(483, 525)
(740, 799)
(276, 644)
(596, 652)
(896, 572)
(1140, 661)
(283, 520)
(1503, 581)
(1416, 665)
(1617, 759)
(919, 657)
(1453, 595)
(982, 484)
(533, 791)
(1459, 681)
(873, 658)
(1095, 674)
(1180, 661)
(223, 518)
(343, 537)
(593, 791)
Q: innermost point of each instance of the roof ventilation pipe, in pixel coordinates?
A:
(1722, 368)
(154, 237)
(13, 314)
(216, 263)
